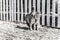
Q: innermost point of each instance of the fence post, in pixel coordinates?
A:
(48, 12)
(43, 12)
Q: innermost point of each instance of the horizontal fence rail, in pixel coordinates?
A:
(16, 10)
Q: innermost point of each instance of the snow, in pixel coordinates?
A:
(8, 31)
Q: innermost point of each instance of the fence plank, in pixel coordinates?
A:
(7, 9)
(10, 8)
(22, 10)
(48, 12)
(18, 10)
(53, 13)
(58, 13)
(34, 5)
(38, 6)
(4, 9)
(29, 6)
(43, 12)
(25, 6)
(1, 9)
(14, 10)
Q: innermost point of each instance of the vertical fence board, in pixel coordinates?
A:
(14, 10)
(10, 8)
(1, 9)
(59, 13)
(18, 10)
(38, 6)
(48, 12)
(25, 6)
(53, 13)
(34, 5)
(7, 9)
(21, 10)
(4, 9)
(29, 6)
(43, 12)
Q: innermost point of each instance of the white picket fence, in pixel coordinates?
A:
(15, 10)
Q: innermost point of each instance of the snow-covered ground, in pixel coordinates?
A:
(8, 31)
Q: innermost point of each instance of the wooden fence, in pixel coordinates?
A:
(15, 10)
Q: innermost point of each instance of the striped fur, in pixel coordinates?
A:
(33, 20)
